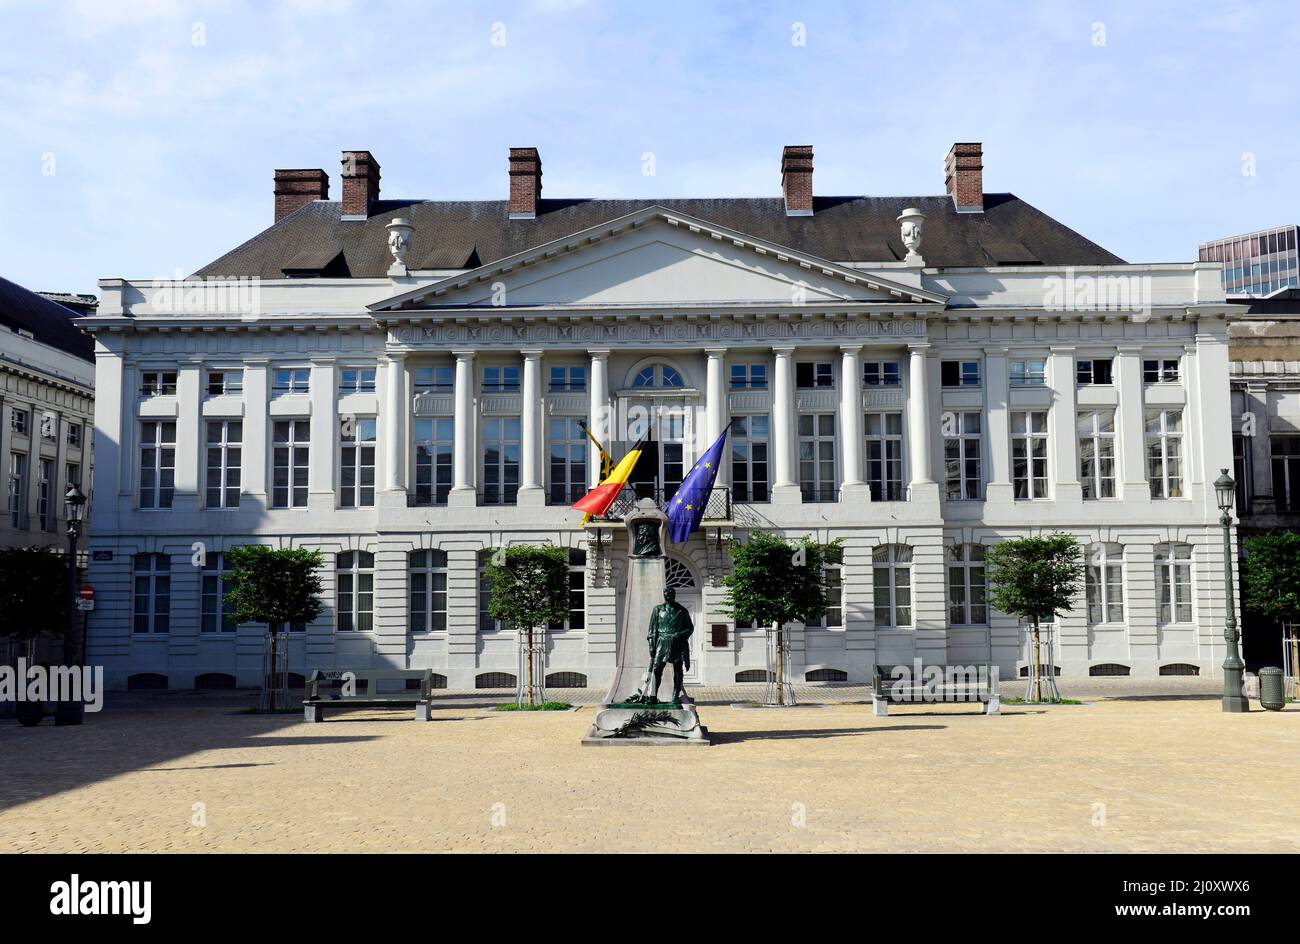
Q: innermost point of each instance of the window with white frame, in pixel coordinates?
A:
(577, 578)
(567, 446)
(290, 455)
(959, 373)
(74, 435)
(285, 380)
(216, 610)
(833, 579)
(486, 622)
(967, 587)
(817, 457)
(17, 490)
(1160, 370)
(1284, 451)
(1104, 583)
(1029, 454)
(45, 508)
(158, 383)
(19, 422)
(1029, 373)
(1094, 372)
(72, 474)
(749, 458)
(427, 583)
(500, 379)
(224, 452)
(431, 379)
(570, 378)
(881, 374)
(1174, 582)
(356, 380)
(963, 471)
(151, 593)
(357, 463)
(891, 567)
(748, 376)
(500, 460)
(809, 375)
(49, 426)
(658, 375)
(1164, 435)
(884, 440)
(157, 463)
(434, 443)
(1097, 453)
(225, 381)
(354, 574)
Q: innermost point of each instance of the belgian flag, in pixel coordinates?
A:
(597, 501)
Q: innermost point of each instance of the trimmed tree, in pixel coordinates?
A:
(275, 587)
(529, 591)
(1271, 584)
(32, 603)
(774, 582)
(1036, 579)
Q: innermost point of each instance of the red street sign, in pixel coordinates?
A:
(87, 592)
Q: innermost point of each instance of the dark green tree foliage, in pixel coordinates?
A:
(530, 591)
(1271, 575)
(32, 592)
(274, 586)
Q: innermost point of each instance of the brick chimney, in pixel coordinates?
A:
(298, 187)
(360, 184)
(796, 179)
(963, 176)
(525, 182)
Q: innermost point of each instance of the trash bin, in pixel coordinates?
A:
(1270, 688)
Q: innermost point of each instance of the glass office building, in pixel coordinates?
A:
(1258, 263)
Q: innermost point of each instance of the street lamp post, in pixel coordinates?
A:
(1233, 699)
(74, 508)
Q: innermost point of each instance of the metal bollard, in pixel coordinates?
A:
(1270, 688)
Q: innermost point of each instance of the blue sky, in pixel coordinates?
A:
(140, 138)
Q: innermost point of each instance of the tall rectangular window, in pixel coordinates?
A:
(216, 610)
(290, 456)
(808, 376)
(1029, 373)
(1095, 372)
(1164, 436)
(427, 583)
(1104, 583)
(1242, 473)
(962, 451)
(568, 379)
(567, 445)
(500, 460)
(73, 474)
(833, 579)
(881, 374)
(45, 508)
(157, 463)
(357, 464)
(891, 568)
(959, 373)
(749, 458)
(486, 622)
(74, 435)
(1097, 453)
(1286, 472)
(967, 587)
(357, 380)
(435, 379)
(151, 593)
(224, 448)
(354, 573)
(434, 442)
(1174, 582)
(884, 435)
(1029, 454)
(748, 376)
(577, 593)
(19, 422)
(291, 380)
(500, 379)
(817, 457)
(17, 490)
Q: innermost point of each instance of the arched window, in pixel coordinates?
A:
(355, 596)
(967, 603)
(427, 587)
(1174, 582)
(892, 584)
(1104, 583)
(659, 375)
(678, 576)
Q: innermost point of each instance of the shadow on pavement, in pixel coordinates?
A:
(736, 737)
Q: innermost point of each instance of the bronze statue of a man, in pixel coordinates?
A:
(670, 642)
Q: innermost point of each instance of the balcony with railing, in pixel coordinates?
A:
(717, 505)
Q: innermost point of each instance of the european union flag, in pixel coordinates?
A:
(687, 506)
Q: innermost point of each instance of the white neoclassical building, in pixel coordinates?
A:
(400, 384)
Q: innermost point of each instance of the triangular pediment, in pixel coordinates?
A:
(653, 258)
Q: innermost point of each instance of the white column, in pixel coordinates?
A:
(851, 423)
(395, 426)
(918, 419)
(997, 437)
(190, 432)
(466, 433)
(530, 485)
(1062, 426)
(324, 435)
(598, 419)
(253, 451)
(715, 405)
(1131, 434)
(785, 489)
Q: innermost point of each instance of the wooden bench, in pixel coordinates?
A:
(343, 689)
(935, 684)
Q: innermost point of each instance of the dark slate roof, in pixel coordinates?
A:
(468, 233)
(49, 323)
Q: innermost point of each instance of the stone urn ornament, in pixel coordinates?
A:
(913, 228)
(399, 244)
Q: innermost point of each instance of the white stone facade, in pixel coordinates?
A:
(691, 303)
